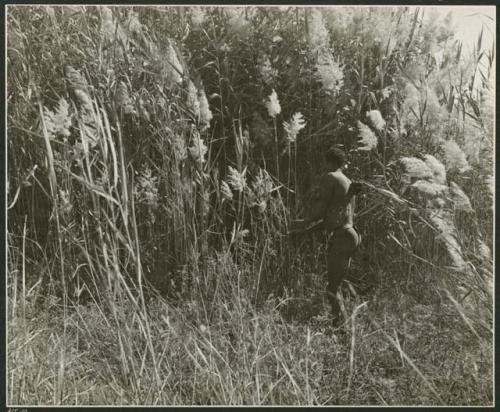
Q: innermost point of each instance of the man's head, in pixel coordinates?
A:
(335, 157)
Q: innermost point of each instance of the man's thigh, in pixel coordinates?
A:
(344, 242)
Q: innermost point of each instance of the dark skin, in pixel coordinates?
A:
(334, 204)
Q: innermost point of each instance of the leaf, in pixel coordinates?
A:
(451, 100)
(459, 52)
(480, 39)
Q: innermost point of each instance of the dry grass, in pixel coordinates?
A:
(392, 350)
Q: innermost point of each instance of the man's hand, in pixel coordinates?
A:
(355, 188)
(304, 226)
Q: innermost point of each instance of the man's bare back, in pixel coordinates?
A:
(339, 211)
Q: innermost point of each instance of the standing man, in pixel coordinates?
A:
(334, 203)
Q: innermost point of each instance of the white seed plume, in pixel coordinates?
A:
(368, 140)
(192, 99)
(205, 113)
(460, 200)
(273, 105)
(376, 119)
(293, 127)
(198, 150)
(318, 34)
(454, 156)
(172, 68)
(448, 235)
(236, 180)
(225, 191)
(329, 72)
(198, 15)
(437, 168)
(416, 168)
(429, 188)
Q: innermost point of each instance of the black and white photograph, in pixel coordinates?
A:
(249, 205)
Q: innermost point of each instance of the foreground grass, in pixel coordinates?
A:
(393, 350)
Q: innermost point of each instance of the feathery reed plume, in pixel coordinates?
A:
(262, 206)
(50, 12)
(437, 168)
(146, 188)
(143, 111)
(294, 126)
(368, 141)
(58, 122)
(179, 147)
(83, 98)
(262, 187)
(192, 99)
(112, 30)
(205, 113)
(273, 105)
(236, 179)
(172, 70)
(263, 184)
(198, 150)
(416, 168)
(122, 98)
(484, 250)
(132, 23)
(318, 36)
(443, 220)
(64, 204)
(238, 235)
(460, 200)
(422, 106)
(277, 39)
(329, 72)
(429, 188)
(78, 85)
(454, 156)
(226, 192)
(107, 22)
(265, 69)
(198, 15)
(376, 119)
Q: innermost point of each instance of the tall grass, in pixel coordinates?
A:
(168, 277)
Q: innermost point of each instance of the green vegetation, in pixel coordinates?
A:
(156, 159)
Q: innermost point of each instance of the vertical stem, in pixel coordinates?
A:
(276, 146)
(288, 182)
(295, 185)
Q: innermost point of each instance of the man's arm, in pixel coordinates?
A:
(354, 189)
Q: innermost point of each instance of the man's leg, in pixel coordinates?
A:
(342, 246)
(338, 265)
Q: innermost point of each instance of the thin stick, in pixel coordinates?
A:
(353, 343)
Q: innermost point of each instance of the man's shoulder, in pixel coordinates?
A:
(337, 176)
(329, 177)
